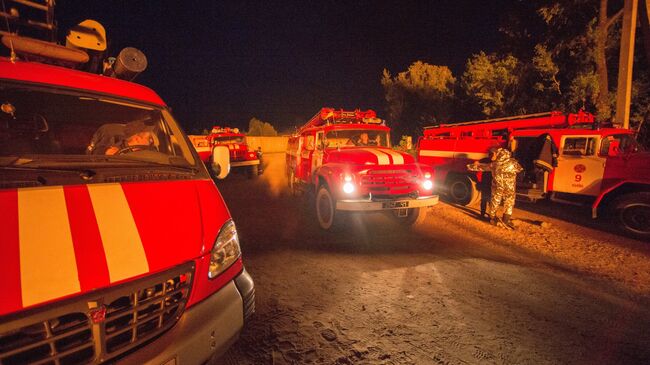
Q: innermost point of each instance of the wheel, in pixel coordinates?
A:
(415, 216)
(631, 214)
(253, 171)
(325, 204)
(462, 190)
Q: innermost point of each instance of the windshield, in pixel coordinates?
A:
(229, 140)
(356, 137)
(47, 125)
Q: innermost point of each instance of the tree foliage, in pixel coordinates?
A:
(555, 55)
(420, 96)
(257, 127)
(491, 82)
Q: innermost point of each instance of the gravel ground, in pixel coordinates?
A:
(560, 289)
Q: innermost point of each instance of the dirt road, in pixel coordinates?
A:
(452, 291)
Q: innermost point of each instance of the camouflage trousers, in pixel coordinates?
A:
(507, 196)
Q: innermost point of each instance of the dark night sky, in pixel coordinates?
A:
(227, 61)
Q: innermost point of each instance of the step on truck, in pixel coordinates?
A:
(343, 159)
(567, 158)
(116, 245)
(241, 156)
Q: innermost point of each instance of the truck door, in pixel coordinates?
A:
(317, 156)
(306, 151)
(580, 168)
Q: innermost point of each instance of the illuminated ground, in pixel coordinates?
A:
(453, 291)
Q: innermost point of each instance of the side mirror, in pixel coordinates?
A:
(220, 161)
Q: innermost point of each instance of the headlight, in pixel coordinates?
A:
(427, 184)
(348, 187)
(225, 251)
(427, 175)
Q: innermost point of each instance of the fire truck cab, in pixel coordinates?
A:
(116, 245)
(241, 157)
(344, 159)
(567, 158)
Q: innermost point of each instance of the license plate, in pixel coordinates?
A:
(393, 205)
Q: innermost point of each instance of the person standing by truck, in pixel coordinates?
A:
(485, 183)
(504, 169)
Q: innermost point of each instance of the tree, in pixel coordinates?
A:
(257, 127)
(492, 82)
(419, 96)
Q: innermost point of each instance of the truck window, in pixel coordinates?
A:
(353, 137)
(309, 145)
(622, 143)
(579, 146)
(51, 126)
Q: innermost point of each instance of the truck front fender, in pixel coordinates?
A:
(621, 187)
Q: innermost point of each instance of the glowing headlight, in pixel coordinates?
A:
(348, 187)
(225, 251)
(427, 184)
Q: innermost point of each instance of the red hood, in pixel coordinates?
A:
(60, 241)
(639, 164)
(369, 156)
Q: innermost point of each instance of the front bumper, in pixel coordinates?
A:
(359, 205)
(244, 163)
(207, 329)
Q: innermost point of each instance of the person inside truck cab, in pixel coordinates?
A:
(115, 138)
(364, 140)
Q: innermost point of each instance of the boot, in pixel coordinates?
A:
(493, 220)
(507, 221)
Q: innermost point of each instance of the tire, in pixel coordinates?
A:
(253, 171)
(416, 216)
(631, 214)
(462, 190)
(325, 206)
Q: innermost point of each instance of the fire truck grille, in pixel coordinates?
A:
(237, 154)
(68, 334)
(386, 180)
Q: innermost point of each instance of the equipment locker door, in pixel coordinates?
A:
(580, 169)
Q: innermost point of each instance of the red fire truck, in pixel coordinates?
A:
(241, 157)
(585, 163)
(116, 245)
(344, 159)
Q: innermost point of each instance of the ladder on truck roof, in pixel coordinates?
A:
(27, 14)
(331, 115)
(486, 127)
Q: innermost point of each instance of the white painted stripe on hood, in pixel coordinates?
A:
(398, 159)
(48, 267)
(125, 254)
(382, 158)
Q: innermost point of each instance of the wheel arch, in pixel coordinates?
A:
(606, 197)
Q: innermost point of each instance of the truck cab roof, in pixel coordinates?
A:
(40, 73)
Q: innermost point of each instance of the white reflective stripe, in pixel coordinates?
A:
(124, 252)
(398, 159)
(471, 155)
(382, 158)
(454, 154)
(48, 268)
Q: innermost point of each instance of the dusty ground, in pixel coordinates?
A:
(455, 290)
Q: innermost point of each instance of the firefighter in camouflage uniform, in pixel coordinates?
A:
(504, 169)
